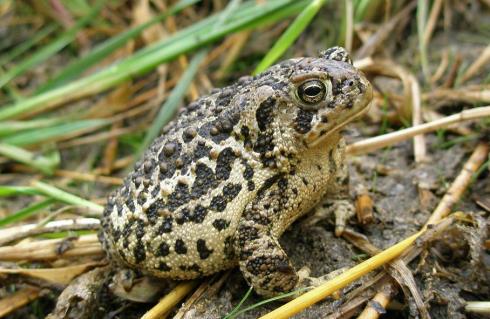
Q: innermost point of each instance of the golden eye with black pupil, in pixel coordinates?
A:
(312, 91)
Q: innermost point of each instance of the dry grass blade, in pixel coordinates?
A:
(477, 66)
(372, 144)
(53, 249)
(170, 300)
(479, 94)
(420, 148)
(460, 184)
(481, 307)
(431, 22)
(46, 230)
(384, 32)
(61, 275)
(18, 299)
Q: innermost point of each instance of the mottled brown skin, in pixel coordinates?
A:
(234, 170)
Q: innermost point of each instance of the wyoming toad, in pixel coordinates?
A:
(234, 170)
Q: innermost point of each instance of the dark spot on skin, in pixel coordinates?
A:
(322, 132)
(318, 167)
(246, 233)
(228, 249)
(166, 226)
(139, 252)
(264, 113)
(201, 150)
(163, 267)
(230, 191)
(139, 229)
(218, 203)
(324, 119)
(268, 184)
(155, 191)
(204, 181)
(152, 213)
(179, 197)
(250, 186)
(265, 264)
(224, 163)
(331, 160)
(141, 199)
(304, 181)
(248, 173)
(180, 247)
(183, 216)
(192, 267)
(295, 191)
(202, 249)
(130, 204)
(221, 224)
(200, 213)
(302, 122)
(163, 250)
(245, 132)
(264, 144)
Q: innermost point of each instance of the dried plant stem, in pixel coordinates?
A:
(52, 249)
(479, 94)
(481, 307)
(431, 22)
(441, 68)
(170, 300)
(372, 144)
(477, 66)
(18, 299)
(349, 24)
(419, 146)
(460, 184)
(47, 230)
(381, 299)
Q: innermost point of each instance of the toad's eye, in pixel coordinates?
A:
(312, 91)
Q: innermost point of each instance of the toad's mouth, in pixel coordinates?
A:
(364, 107)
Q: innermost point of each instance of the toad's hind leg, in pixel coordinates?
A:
(263, 262)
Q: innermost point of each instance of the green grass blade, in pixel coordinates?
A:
(272, 10)
(38, 162)
(103, 50)
(290, 35)
(25, 46)
(57, 131)
(58, 194)
(172, 103)
(25, 212)
(176, 97)
(13, 127)
(62, 41)
(266, 301)
(237, 308)
(7, 190)
(422, 9)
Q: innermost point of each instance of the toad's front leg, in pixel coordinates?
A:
(263, 262)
